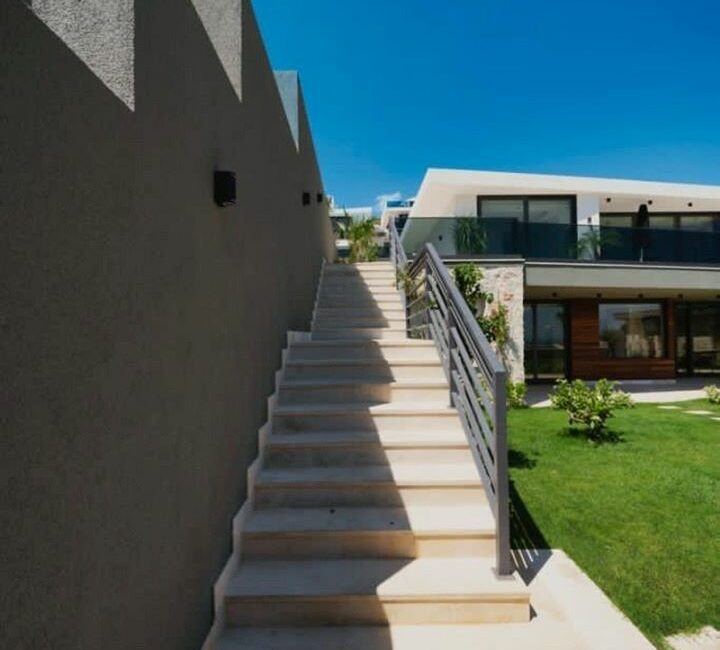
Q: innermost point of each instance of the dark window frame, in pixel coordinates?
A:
(677, 215)
(566, 338)
(665, 310)
(526, 198)
(689, 336)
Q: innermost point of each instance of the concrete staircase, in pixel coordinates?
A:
(368, 512)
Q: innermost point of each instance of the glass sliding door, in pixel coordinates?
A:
(682, 347)
(698, 338)
(551, 233)
(545, 341)
(502, 220)
(533, 226)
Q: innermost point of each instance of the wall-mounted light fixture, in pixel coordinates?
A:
(306, 198)
(608, 200)
(650, 202)
(320, 197)
(690, 205)
(225, 188)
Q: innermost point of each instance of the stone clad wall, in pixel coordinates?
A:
(506, 283)
(140, 324)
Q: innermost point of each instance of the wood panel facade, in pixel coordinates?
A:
(585, 358)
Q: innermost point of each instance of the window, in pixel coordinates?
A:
(502, 209)
(558, 211)
(702, 222)
(533, 226)
(545, 355)
(632, 331)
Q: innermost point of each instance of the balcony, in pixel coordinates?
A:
(469, 236)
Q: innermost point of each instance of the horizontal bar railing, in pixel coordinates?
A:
(436, 310)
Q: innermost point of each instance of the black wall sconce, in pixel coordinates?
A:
(320, 197)
(306, 198)
(225, 188)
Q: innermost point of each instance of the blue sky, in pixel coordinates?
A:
(621, 88)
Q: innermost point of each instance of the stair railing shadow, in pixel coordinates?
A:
(530, 550)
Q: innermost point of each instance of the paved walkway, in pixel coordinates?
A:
(650, 391)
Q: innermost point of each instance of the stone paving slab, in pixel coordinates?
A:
(706, 639)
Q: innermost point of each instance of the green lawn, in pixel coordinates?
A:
(641, 517)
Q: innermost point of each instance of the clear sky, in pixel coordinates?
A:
(620, 88)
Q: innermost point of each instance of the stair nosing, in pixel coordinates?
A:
(349, 361)
(345, 383)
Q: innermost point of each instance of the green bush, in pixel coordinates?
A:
(362, 241)
(468, 278)
(516, 394)
(589, 407)
(713, 394)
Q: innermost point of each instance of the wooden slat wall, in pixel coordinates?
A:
(585, 360)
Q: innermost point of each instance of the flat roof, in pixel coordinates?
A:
(441, 186)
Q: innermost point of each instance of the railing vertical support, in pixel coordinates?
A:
(449, 326)
(502, 482)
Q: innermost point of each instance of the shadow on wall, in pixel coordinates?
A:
(141, 324)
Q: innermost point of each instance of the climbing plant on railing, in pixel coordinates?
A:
(494, 324)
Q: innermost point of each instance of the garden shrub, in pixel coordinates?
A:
(590, 407)
(516, 394)
(713, 394)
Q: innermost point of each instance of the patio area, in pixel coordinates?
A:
(642, 391)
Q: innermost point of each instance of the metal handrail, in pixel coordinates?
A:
(477, 378)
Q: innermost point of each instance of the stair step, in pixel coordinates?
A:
(511, 636)
(373, 592)
(352, 333)
(447, 531)
(366, 350)
(397, 313)
(389, 485)
(341, 300)
(348, 391)
(367, 369)
(364, 417)
(359, 266)
(360, 448)
(344, 322)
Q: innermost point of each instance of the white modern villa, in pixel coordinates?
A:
(601, 277)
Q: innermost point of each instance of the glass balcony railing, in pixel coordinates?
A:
(511, 237)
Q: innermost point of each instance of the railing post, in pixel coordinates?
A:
(502, 479)
(393, 253)
(449, 326)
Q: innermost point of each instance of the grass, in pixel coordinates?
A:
(641, 516)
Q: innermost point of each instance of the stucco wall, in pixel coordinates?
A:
(140, 324)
